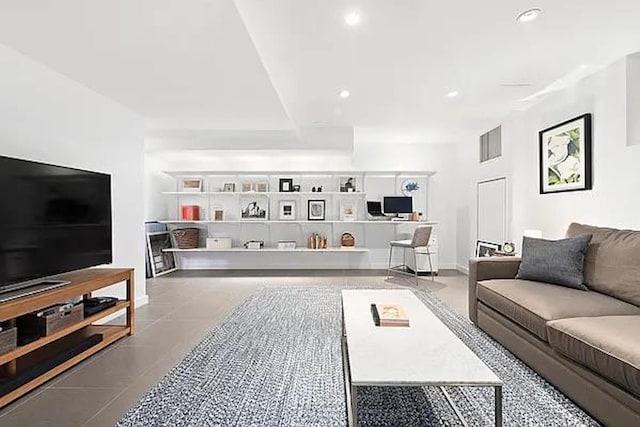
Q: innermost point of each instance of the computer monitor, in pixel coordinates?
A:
(394, 205)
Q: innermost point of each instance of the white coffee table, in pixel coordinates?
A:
(426, 353)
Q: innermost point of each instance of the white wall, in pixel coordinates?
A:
(47, 117)
(440, 158)
(616, 178)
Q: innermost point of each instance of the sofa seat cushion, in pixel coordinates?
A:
(607, 345)
(532, 304)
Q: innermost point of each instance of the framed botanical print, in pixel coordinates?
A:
(316, 210)
(565, 156)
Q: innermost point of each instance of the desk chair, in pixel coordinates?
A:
(421, 237)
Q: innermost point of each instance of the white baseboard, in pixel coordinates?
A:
(462, 269)
(143, 300)
(447, 266)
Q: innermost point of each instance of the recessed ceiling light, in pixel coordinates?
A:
(344, 94)
(528, 15)
(352, 18)
(453, 94)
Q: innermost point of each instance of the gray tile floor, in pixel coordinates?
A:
(183, 307)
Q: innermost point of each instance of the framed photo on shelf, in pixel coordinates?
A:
(229, 188)
(348, 210)
(246, 187)
(218, 214)
(347, 184)
(287, 210)
(261, 187)
(285, 185)
(191, 185)
(565, 156)
(255, 210)
(316, 210)
(485, 249)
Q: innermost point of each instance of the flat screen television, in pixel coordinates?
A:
(394, 205)
(53, 220)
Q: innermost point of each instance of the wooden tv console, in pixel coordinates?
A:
(82, 283)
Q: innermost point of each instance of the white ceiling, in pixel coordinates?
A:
(181, 64)
(256, 65)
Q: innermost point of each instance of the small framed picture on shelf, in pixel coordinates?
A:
(261, 187)
(348, 210)
(255, 210)
(229, 188)
(486, 249)
(316, 210)
(246, 187)
(347, 184)
(286, 185)
(191, 185)
(218, 215)
(287, 210)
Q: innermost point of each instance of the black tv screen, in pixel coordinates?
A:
(53, 219)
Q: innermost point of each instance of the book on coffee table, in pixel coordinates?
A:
(389, 315)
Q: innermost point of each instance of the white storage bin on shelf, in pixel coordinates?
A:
(219, 242)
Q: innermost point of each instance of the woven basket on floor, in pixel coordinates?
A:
(186, 238)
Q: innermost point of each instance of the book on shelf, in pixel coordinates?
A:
(389, 315)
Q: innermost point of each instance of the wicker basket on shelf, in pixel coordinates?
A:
(186, 238)
(347, 240)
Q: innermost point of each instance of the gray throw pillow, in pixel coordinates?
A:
(560, 262)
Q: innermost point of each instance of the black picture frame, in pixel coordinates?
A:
(285, 185)
(583, 122)
(484, 248)
(161, 262)
(312, 215)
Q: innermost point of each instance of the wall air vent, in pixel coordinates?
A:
(491, 144)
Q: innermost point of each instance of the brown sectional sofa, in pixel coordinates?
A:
(586, 343)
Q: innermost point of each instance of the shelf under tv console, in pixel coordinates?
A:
(81, 283)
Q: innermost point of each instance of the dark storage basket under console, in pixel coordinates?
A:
(8, 340)
(42, 323)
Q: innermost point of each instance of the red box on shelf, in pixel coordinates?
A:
(190, 213)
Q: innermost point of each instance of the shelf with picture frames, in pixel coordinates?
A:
(271, 215)
(264, 193)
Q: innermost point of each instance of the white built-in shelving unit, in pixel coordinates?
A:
(372, 236)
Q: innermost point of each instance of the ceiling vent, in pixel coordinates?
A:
(491, 144)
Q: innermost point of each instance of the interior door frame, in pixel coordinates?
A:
(505, 231)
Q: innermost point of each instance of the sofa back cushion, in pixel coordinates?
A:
(612, 262)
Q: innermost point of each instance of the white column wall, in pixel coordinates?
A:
(45, 116)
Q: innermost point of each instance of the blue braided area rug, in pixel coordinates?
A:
(277, 361)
